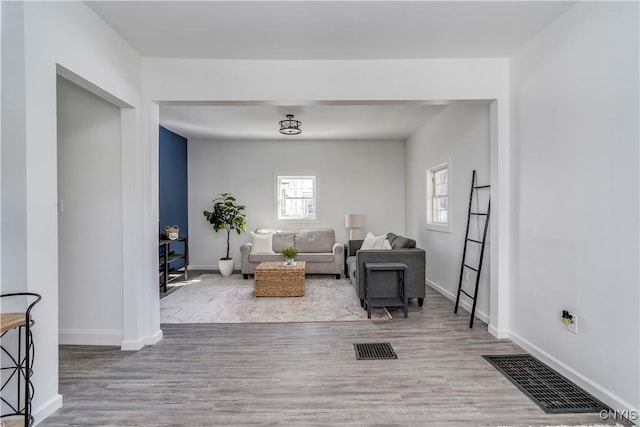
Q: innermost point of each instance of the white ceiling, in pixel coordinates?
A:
(320, 30)
(328, 29)
(390, 122)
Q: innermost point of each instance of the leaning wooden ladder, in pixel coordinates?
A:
(463, 265)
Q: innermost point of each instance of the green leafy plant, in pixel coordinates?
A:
(289, 252)
(227, 215)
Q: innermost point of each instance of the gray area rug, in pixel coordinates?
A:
(212, 298)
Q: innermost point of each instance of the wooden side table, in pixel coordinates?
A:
(373, 300)
(21, 359)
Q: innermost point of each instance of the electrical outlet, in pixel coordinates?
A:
(573, 325)
(466, 275)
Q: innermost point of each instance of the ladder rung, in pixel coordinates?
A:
(476, 213)
(474, 241)
(481, 186)
(465, 292)
(468, 266)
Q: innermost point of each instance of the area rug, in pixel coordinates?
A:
(212, 298)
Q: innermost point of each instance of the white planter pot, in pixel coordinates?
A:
(225, 266)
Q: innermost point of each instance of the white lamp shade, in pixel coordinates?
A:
(354, 220)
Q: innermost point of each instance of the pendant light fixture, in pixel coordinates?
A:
(290, 126)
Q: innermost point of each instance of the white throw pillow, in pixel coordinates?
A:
(262, 243)
(385, 244)
(375, 242)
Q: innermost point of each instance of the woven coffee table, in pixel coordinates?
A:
(274, 279)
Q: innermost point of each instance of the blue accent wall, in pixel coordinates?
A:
(173, 183)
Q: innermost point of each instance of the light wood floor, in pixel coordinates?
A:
(302, 375)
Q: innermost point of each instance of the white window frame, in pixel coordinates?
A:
(431, 224)
(313, 198)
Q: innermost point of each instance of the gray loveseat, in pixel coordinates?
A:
(402, 250)
(317, 247)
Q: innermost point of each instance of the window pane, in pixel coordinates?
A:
(441, 178)
(440, 209)
(296, 198)
(438, 193)
(297, 187)
(441, 189)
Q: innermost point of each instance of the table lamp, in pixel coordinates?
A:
(355, 224)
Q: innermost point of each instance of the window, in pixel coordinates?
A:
(440, 206)
(439, 198)
(297, 197)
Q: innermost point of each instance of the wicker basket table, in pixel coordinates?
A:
(274, 279)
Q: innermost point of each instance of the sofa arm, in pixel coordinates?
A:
(338, 258)
(338, 250)
(245, 251)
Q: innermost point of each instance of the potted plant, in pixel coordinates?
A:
(289, 254)
(227, 215)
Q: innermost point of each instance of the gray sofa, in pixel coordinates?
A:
(317, 246)
(402, 250)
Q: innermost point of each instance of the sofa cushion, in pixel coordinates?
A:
(265, 257)
(315, 240)
(391, 237)
(261, 243)
(403, 243)
(282, 239)
(352, 267)
(302, 256)
(315, 257)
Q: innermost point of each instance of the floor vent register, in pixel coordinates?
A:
(552, 392)
(374, 351)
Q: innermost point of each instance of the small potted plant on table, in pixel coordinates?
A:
(289, 254)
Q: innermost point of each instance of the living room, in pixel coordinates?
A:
(557, 108)
(357, 175)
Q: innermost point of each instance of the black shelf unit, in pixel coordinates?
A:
(170, 251)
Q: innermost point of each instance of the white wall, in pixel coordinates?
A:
(13, 156)
(90, 291)
(459, 134)
(64, 37)
(351, 177)
(575, 191)
(175, 79)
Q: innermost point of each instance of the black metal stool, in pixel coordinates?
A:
(373, 300)
(19, 373)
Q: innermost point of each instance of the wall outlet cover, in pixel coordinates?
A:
(573, 325)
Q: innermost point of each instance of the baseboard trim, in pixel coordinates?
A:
(203, 267)
(606, 396)
(155, 338)
(89, 337)
(135, 345)
(498, 333)
(47, 408)
(465, 305)
(132, 345)
(213, 269)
